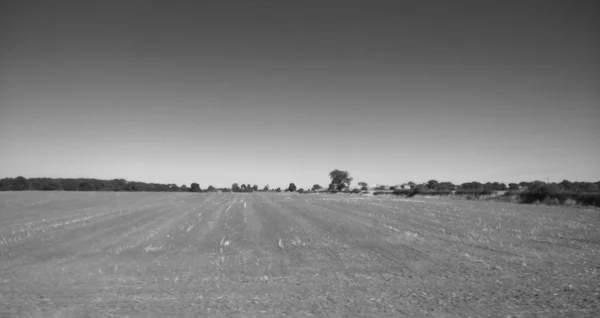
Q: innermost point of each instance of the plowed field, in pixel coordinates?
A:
(77, 254)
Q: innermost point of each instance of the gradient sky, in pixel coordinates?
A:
(272, 92)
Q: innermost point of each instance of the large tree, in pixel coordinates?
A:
(292, 187)
(235, 187)
(195, 187)
(340, 179)
(432, 184)
(316, 187)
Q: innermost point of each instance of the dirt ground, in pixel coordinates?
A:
(98, 254)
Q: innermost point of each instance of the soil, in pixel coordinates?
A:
(98, 254)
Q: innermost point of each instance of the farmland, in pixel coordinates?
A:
(72, 254)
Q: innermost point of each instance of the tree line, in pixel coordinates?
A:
(84, 184)
(340, 181)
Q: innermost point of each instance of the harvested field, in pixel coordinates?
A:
(76, 254)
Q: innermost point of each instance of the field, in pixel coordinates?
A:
(77, 254)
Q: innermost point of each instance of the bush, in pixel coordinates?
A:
(356, 191)
(540, 193)
(400, 192)
(591, 199)
(416, 191)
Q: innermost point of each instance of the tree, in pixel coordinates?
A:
(471, 186)
(35, 185)
(513, 186)
(446, 186)
(255, 187)
(591, 187)
(86, 186)
(432, 184)
(536, 184)
(566, 185)
(51, 186)
(362, 184)
(278, 190)
(340, 179)
(417, 190)
(525, 184)
(195, 188)
(316, 187)
(266, 188)
(211, 188)
(292, 187)
(20, 184)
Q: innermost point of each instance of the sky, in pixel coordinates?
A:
(273, 92)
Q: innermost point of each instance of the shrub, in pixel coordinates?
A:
(416, 191)
(401, 192)
(356, 191)
(538, 193)
(549, 195)
(591, 199)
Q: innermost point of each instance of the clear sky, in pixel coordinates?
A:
(273, 92)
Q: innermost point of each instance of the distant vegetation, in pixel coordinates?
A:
(84, 184)
(565, 192)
